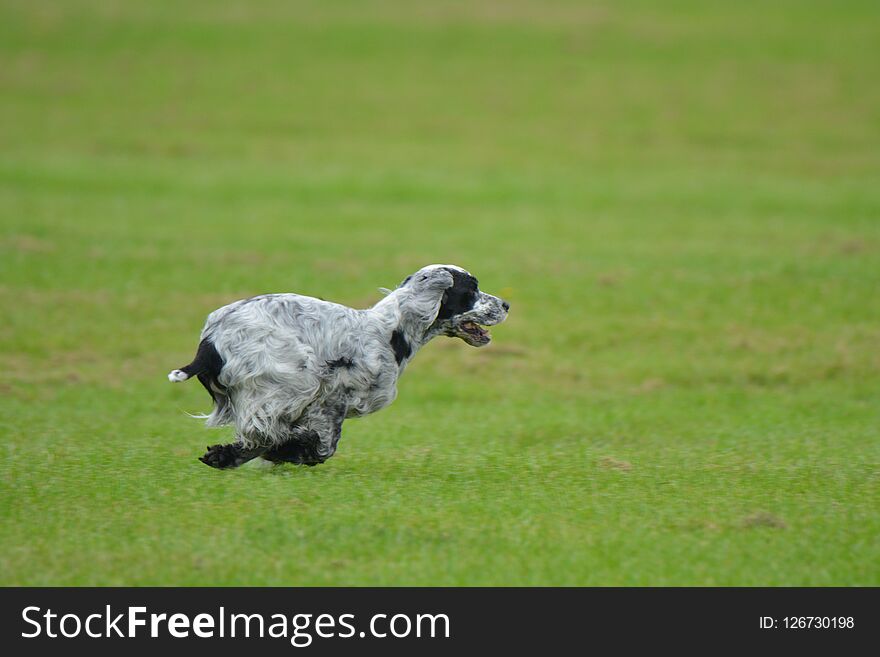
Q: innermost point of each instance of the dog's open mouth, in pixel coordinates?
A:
(473, 334)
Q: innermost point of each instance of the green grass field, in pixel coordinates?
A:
(681, 200)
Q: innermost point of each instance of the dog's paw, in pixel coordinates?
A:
(220, 456)
(176, 376)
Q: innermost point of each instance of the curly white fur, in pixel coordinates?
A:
(293, 367)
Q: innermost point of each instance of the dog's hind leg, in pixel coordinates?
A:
(230, 456)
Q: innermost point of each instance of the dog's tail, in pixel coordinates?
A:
(207, 360)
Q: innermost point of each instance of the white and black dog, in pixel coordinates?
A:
(287, 369)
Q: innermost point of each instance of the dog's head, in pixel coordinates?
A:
(454, 304)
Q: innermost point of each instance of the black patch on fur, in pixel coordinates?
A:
(401, 347)
(206, 365)
(340, 362)
(459, 298)
(207, 360)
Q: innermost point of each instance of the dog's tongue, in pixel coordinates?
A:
(474, 327)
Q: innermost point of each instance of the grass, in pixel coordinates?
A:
(679, 199)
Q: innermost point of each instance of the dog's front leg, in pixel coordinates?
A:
(230, 456)
(302, 449)
(315, 441)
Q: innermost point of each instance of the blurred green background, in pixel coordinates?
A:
(680, 200)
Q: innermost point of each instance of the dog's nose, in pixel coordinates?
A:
(505, 305)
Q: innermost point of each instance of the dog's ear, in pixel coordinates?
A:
(426, 292)
(435, 279)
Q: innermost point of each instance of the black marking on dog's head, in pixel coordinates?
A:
(465, 311)
(401, 347)
(459, 298)
(343, 362)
